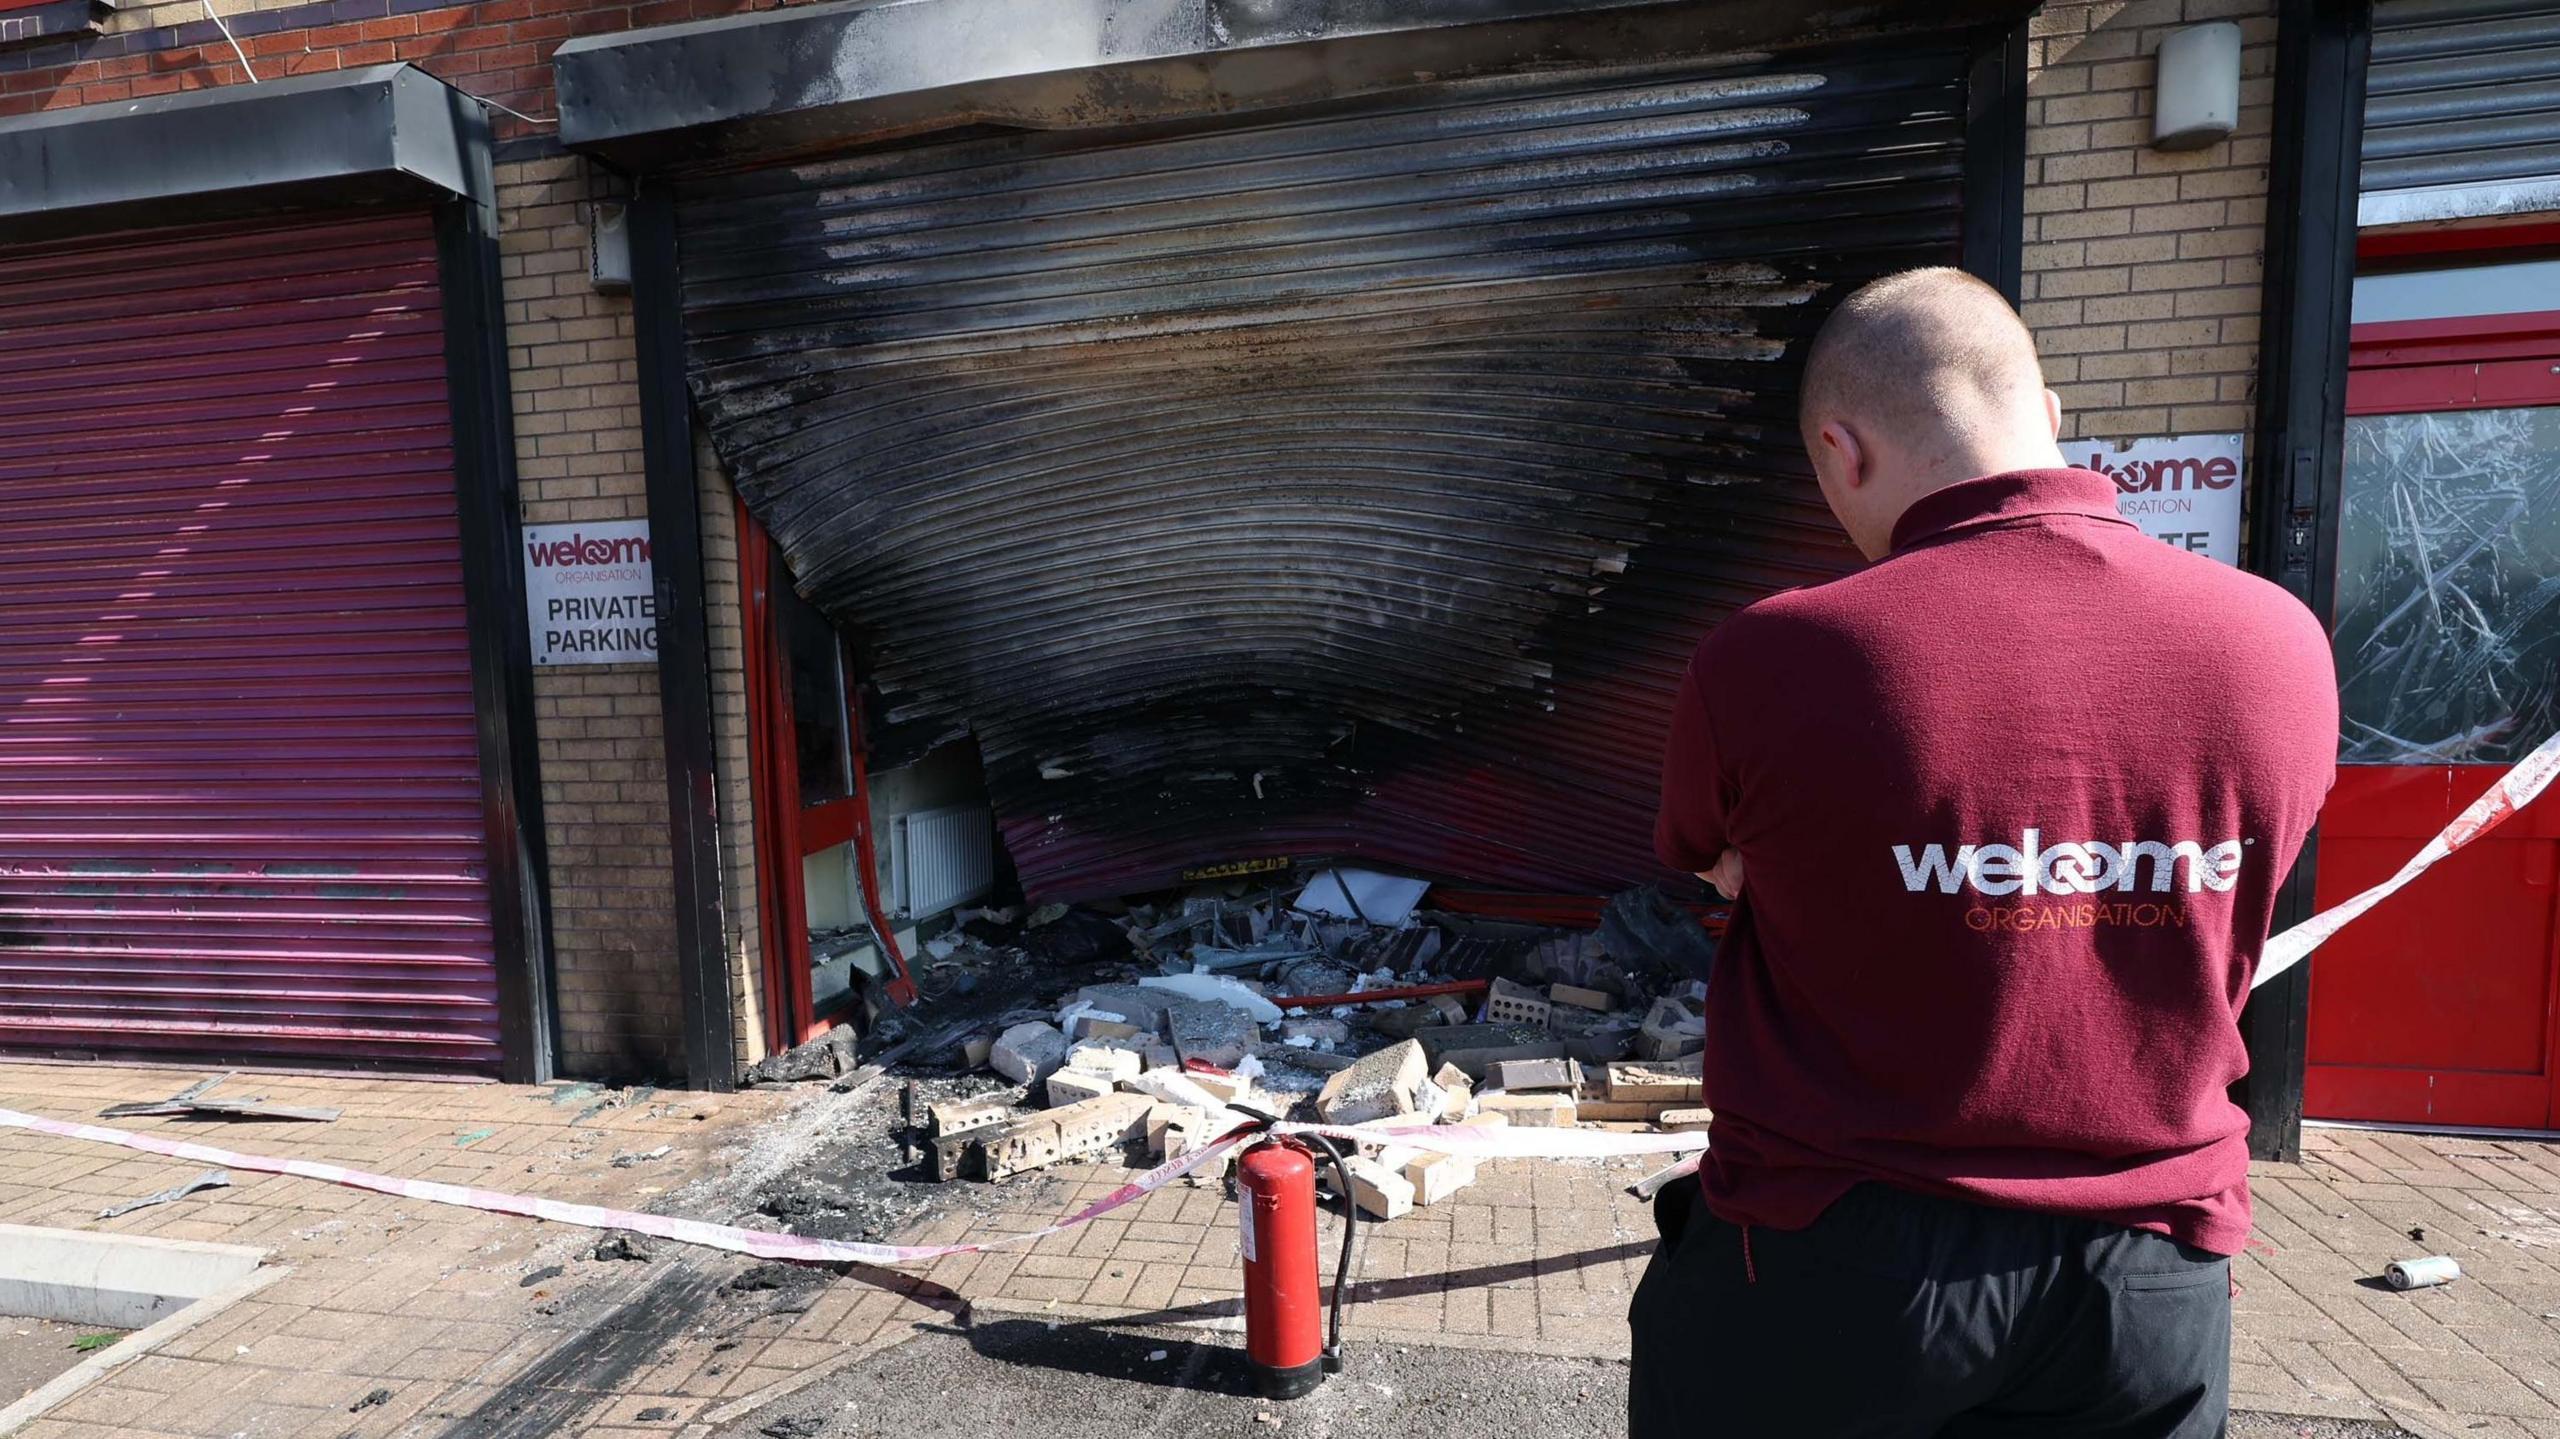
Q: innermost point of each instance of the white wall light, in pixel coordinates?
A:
(2197, 100)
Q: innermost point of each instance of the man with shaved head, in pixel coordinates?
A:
(2003, 815)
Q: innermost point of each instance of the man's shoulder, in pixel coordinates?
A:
(2235, 603)
(1775, 627)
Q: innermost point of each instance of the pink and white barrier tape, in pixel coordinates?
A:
(2514, 790)
(1452, 1139)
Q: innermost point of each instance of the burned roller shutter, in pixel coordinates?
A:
(1343, 482)
(240, 782)
(2462, 93)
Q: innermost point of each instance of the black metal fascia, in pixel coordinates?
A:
(484, 473)
(2321, 52)
(807, 76)
(383, 133)
(1995, 160)
(684, 642)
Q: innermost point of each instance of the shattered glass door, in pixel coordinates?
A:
(2448, 610)
(2443, 1006)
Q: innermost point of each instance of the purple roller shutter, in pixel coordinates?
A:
(239, 783)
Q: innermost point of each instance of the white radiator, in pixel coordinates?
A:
(941, 859)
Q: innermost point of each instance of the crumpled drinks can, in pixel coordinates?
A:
(2424, 1273)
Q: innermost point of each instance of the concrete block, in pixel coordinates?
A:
(1088, 1026)
(1210, 1032)
(1518, 1075)
(1325, 1032)
(1075, 1086)
(1684, 1121)
(1125, 1004)
(1108, 1060)
(1435, 1177)
(1476, 1048)
(1405, 1020)
(1596, 1044)
(1580, 998)
(1379, 1086)
(1028, 1053)
(976, 1048)
(1529, 1111)
(1160, 1056)
(1509, 1002)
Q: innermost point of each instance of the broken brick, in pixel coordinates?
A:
(1669, 1081)
(1075, 1086)
(1530, 1111)
(1580, 998)
(1670, 1031)
(1377, 1190)
(1435, 1177)
(1508, 1002)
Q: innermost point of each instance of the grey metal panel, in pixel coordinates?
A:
(1354, 480)
(382, 128)
(784, 80)
(2462, 92)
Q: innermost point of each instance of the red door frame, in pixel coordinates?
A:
(787, 831)
(2418, 366)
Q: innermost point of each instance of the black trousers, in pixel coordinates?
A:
(1903, 1317)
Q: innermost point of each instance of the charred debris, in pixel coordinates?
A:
(1132, 1029)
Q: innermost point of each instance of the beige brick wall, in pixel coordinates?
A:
(2142, 267)
(604, 786)
(601, 737)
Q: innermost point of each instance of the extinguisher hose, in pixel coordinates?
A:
(1342, 1264)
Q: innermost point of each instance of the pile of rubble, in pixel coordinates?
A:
(1388, 1017)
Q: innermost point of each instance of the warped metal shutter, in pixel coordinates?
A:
(2462, 92)
(239, 779)
(1351, 481)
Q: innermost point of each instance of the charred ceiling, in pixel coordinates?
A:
(1345, 481)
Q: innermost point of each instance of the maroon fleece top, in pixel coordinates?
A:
(2013, 804)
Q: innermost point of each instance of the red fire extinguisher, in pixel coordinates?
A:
(1276, 1232)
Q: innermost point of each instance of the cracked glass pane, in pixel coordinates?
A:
(2448, 633)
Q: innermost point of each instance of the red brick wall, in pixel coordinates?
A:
(499, 51)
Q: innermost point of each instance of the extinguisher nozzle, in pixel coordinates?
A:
(1333, 1360)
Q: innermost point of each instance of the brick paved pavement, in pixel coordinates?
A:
(428, 1302)
(432, 1304)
